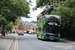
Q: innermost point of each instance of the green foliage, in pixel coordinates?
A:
(66, 10)
(48, 4)
(9, 26)
(3, 20)
(10, 10)
(41, 3)
(33, 21)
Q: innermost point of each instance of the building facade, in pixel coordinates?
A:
(25, 26)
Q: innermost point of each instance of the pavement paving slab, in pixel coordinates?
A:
(68, 41)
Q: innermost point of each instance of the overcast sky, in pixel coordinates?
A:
(33, 14)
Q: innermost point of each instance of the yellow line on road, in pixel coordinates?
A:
(16, 43)
(12, 42)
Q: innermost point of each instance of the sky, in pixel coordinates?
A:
(33, 14)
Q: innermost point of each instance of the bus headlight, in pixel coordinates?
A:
(58, 34)
(44, 33)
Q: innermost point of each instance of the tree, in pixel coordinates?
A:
(9, 26)
(33, 21)
(66, 10)
(11, 10)
(48, 4)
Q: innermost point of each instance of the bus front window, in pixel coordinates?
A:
(52, 19)
(54, 30)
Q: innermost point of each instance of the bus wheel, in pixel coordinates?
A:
(37, 37)
(55, 40)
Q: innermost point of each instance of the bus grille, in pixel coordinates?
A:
(47, 35)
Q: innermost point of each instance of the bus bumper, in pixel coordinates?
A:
(52, 37)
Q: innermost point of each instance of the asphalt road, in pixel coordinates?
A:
(30, 42)
(5, 42)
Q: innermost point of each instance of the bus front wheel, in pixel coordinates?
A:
(55, 40)
(37, 37)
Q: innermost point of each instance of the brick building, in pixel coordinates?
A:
(24, 26)
(15, 27)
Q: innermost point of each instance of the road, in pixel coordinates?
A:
(30, 42)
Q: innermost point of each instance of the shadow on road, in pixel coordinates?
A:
(48, 40)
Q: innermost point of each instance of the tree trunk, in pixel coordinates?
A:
(3, 30)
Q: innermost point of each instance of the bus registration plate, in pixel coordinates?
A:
(51, 37)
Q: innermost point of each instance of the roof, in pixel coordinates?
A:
(28, 23)
(40, 15)
(34, 24)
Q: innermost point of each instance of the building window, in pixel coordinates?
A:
(33, 29)
(15, 28)
(29, 27)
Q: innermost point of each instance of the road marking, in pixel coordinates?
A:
(12, 42)
(16, 43)
(7, 34)
(69, 43)
(40, 44)
(43, 45)
(47, 47)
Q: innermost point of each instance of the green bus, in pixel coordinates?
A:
(49, 27)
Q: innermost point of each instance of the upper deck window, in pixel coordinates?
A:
(50, 18)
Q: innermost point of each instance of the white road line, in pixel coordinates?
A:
(40, 44)
(47, 47)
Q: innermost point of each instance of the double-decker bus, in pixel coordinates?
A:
(48, 27)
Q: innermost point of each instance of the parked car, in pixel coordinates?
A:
(17, 31)
(34, 32)
(13, 31)
(30, 32)
(25, 31)
(20, 33)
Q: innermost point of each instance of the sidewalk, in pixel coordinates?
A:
(68, 41)
(0, 34)
(5, 34)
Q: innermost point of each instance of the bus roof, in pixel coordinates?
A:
(51, 15)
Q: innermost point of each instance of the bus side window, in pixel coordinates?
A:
(39, 29)
(43, 19)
